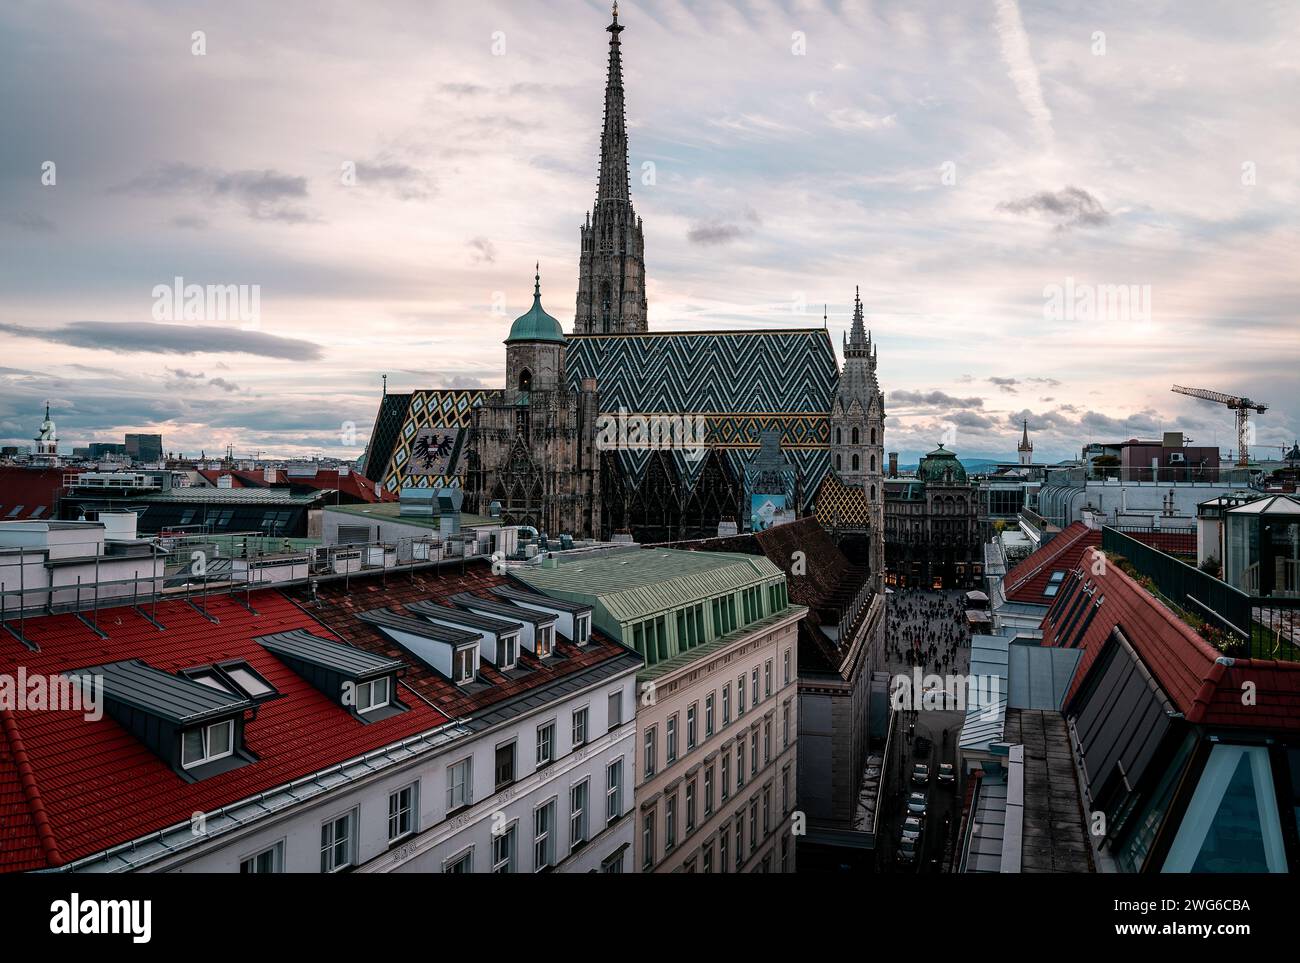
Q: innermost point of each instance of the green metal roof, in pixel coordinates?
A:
(392, 511)
(536, 324)
(639, 583)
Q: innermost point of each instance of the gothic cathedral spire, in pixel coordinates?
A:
(611, 270)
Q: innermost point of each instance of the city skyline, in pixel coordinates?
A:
(765, 194)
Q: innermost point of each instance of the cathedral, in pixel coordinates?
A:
(775, 427)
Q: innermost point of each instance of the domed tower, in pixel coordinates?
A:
(46, 450)
(534, 351)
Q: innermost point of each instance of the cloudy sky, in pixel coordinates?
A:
(956, 160)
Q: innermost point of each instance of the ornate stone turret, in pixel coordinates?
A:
(611, 268)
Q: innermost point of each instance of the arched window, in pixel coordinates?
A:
(839, 462)
(873, 493)
(525, 380)
(839, 436)
(873, 436)
(855, 463)
(855, 436)
(873, 462)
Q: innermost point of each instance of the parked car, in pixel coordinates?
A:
(916, 803)
(912, 827)
(946, 772)
(908, 850)
(920, 773)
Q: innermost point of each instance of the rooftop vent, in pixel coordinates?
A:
(363, 683)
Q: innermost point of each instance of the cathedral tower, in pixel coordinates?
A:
(857, 426)
(611, 267)
(1026, 447)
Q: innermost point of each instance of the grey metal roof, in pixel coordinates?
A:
(171, 697)
(1038, 676)
(194, 495)
(471, 620)
(503, 609)
(345, 659)
(552, 691)
(513, 594)
(388, 619)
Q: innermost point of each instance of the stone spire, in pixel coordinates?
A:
(611, 269)
(1026, 447)
(613, 139)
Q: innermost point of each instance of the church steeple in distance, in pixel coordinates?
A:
(611, 270)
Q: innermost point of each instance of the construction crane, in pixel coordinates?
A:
(1242, 406)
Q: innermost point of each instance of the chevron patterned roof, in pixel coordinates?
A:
(790, 372)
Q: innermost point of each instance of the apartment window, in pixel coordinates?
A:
(545, 640)
(503, 850)
(722, 850)
(785, 854)
(507, 651)
(463, 863)
(204, 744)
(672, 739)
(578, 796)
(267, 861)
(691, 726)
(767, 679)
(740, 837)
(785, 725)
(785, 790)
(582, 629)
(372, 695)
(459, 789)
(466, 664)
(401, 813)
(708, 716)
(543, 836)
(336, 841)
(785, 667)
(753, 826)
(753, 754)
(767, 740)
(706, 858)
(613, 791)
(651, 751)
(726, 704)
(708, 791)
(505, 765)
(615, 709)
(613, 864)
(754, 694)
(545, 744)
(670, 823)
(767, 810)
(740, 762)
(726, 776)
(648, 839)
(740, 695)
(579, 726)
(690, 806)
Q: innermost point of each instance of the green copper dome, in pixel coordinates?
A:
(536, 325)
(938, 463)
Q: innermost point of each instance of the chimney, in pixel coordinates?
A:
(269, 474)
(225, 481)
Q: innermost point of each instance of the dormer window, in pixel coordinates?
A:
(508, 652)
(545, 640)
(361, 682)
(372, 695)
(204, 744)
(582, 629)
(466, 664)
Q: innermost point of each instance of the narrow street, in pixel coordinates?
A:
(924, 626)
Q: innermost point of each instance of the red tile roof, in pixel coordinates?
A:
(354, 485)
(1027, 580)
(70, 788)
(339, 607)
(30, 489)
(1205, 686)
